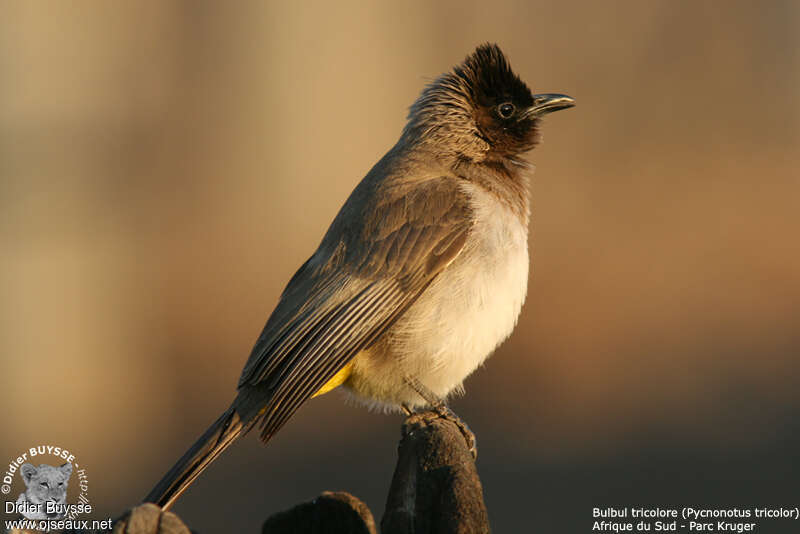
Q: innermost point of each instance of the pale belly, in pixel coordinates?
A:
(469, 309)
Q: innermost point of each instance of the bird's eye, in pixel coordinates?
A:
(506, 110)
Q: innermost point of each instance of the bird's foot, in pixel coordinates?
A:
(440, 410)
(469, 436)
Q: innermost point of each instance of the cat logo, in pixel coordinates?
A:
(47, 476)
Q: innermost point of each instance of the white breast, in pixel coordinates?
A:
(469, 309)
(474, 304)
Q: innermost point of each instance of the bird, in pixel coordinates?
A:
(420, 276)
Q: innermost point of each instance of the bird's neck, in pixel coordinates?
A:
(505, 179)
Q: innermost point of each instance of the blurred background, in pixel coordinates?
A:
(166, 166)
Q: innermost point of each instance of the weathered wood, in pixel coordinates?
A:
(148, 518)
(435, 488)
(330, 513)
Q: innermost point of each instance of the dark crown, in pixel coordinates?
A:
(489, 78)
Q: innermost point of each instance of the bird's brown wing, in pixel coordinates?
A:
(371, 266)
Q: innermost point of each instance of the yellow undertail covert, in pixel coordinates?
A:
(337, 380)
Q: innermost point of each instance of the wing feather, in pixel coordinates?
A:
(361, 279)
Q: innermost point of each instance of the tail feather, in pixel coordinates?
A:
(219, 436)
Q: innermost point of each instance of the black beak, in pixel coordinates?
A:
(547, 103)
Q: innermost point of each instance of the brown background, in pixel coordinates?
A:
(165, 166)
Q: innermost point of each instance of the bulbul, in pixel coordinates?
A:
(421, 275)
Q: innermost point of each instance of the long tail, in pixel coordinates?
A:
(219, 436)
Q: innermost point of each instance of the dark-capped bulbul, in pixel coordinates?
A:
(421, 275)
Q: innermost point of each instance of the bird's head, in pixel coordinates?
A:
(481, 111)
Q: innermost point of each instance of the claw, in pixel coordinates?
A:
(440, 408)
(469, 436)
